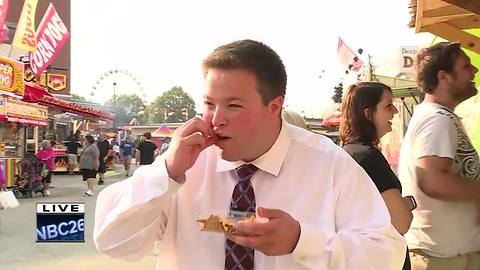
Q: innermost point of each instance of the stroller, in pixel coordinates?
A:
(29, 178)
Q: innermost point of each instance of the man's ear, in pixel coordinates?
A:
(444, 76)
(275, 106)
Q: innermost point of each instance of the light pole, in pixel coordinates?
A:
(114, 96)
(114, 103)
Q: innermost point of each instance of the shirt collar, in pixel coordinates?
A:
(270, 162)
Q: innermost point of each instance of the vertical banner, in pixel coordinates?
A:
(3, 12)
(51, 35)
(3, 16)
(25, 35)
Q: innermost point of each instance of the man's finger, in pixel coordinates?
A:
(196, 125)
(252, 229)
(196, 139)
(270, 212)
(246, 241)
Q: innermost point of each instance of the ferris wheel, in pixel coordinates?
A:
(115, 82)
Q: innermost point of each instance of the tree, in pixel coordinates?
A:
(173, 106)
(78, 97)
(127, 107)
(338, 93)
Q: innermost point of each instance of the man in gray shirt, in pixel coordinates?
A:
(89, 163)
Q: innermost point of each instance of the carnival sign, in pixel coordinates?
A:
(407, 56)
(51, 35)
(25, 35)
(11, 76)
(56, 82)
(3, 109)
(26, 113)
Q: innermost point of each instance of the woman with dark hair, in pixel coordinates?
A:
(89, 163)
(367, 113)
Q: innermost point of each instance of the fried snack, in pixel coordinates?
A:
(215, 223)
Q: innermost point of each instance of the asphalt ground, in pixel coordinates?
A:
(18, 247)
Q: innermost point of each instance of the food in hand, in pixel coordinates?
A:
(215, 223)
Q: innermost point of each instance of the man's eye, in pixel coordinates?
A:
(208, 103)
(235, 106)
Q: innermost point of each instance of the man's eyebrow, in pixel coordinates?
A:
(228, 99)
(234, 99)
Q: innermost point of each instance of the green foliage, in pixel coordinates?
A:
(173, 106)
(127, 107)
(78, 97)
(338, 93)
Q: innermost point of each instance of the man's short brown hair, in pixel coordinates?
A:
(431, 60)
(147, 135)
(255, 57)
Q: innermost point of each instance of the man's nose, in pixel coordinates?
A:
(219, 118)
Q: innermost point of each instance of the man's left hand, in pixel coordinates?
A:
(277, 236)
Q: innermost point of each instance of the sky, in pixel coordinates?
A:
(160, 44)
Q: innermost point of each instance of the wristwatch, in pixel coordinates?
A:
(412, 200)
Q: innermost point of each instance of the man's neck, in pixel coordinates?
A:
(443, 100)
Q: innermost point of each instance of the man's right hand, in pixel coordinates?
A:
(189, 140)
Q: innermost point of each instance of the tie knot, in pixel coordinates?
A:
(246, 171)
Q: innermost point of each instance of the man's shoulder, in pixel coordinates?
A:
(428, 116)
(314, 141)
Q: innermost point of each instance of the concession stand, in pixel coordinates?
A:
(16, 117)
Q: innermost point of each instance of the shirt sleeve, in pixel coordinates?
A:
(132, 215)
(377, 167)
(435, 136)
(364, 237)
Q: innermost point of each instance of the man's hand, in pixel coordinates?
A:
(277, 236)
(189, 140)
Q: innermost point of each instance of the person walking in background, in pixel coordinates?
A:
(73, 144)
(116, 152)
(165, 145)
(367, 111)
(146, 150)
(89, 163)
(47, 156)
(439, 165)
(127, 148)
(104, 147)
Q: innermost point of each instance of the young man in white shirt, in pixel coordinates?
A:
(440, 167)
(317, 209)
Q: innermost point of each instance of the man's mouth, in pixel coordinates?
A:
(222, 138)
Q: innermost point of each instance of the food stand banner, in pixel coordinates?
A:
(51, 35)
(22, 112)
(25, 35)
(11, 76)
(3, 16)
(56, 82)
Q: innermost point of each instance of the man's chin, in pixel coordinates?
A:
(225, 155)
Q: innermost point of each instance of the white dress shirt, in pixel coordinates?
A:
(344, 221)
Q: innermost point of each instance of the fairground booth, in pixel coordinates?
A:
(64, 119)
(18, 119)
